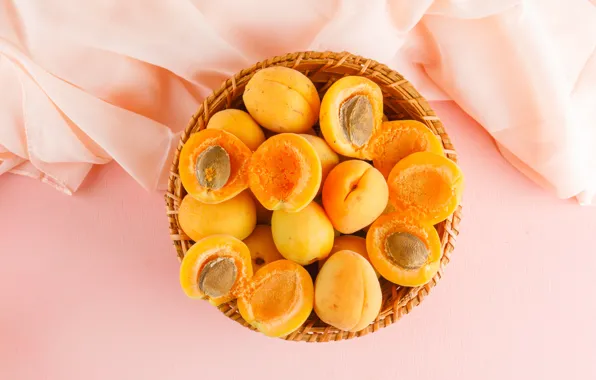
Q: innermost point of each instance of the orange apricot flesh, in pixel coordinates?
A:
(426, 186)
(213, 165)
(285, 172)
(240, 124)
(403, 250)
(215, 268)
(279, 298)
(354, 195)
(262, 248)
(400, 138)
(351, 113)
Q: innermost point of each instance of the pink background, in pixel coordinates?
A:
(89, 290)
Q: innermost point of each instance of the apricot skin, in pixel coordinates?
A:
(304, 236)
(282, 100)
(240, 124)
(236, 217)
(279, 299)
(351, 243)
(347, 292)
(262, 248)
(354, 195)
(329, 159)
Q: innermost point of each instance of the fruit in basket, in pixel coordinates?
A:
(347, 292)
(304, 236)
(278, 299)
(240, 124)
(282, 100)
(400, 138)
(215, 268)
(351, 114)
(351, 243)
(262, 248)
(329, 159)
(354, 195)
(285, 172)
(213, 165)
(404, 250)
(263, 215)
(425, 186)
(236, 217)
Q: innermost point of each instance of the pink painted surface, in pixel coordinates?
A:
(88, 290)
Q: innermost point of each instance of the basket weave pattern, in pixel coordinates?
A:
(401, 101)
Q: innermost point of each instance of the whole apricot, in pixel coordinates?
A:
(329, 159)
(304, 236)
(282, 100)
(351, 243)
(262, 248)
(240, 124)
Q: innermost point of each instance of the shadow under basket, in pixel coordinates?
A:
(400, 101)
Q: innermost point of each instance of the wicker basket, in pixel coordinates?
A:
(401, 101)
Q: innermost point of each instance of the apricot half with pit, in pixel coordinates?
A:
(282, 100)
(215, 268)
(354, 195)
(403, 250)
(285, 172)
(347, 292)
(240, 124)
(213, 165)
(425, 186)
(279, 298)
(351, 114)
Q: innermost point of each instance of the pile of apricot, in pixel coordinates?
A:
(267, 196)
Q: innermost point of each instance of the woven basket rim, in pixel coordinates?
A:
(400, 97)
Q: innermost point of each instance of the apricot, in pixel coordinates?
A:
(215, 268)
(304, 236)
(425, 186)
(262, 248)
(285, 172)
(400, 138)
(351, 243)
(236, 217)
(279, 299)
(351, 113)
(240, 124)
(403, 250)
(354, 195)
(282, 100)
(213, 165)
(327, 156)
(263, 215)
(347, 292)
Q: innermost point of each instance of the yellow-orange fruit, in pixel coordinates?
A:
(354, 195)
(262, 248)
(240, 124)
(329, 159)
(347, 292)
(236, 217)
(282, 100)
(279, 298)
(350, 243)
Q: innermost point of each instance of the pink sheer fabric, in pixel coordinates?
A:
(84, 83)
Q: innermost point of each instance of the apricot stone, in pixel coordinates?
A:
(240, 124)
(354, 195)
(282, 100)
(262, 248)
(304, 236)
(347, 292)
(236, 217)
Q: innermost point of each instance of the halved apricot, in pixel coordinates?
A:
(425, 186)
(285, 172)
(347, 292)
(282, 100)
(400, 138)
(403, 250)
(351, 113)
(240, 124)
(329, 159)
(262, 248)
(279, 298)
(215, 268)
(213, 165)
(304, 236)
(236, 217)
(354, 195)
(350, 243)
